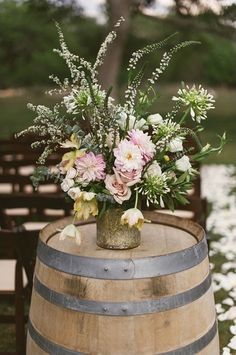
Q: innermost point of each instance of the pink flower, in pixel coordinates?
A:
(128, 156)
(130, 178)
(118, 189)
(144, 143)
(90, 167)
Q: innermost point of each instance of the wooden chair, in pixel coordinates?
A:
(17, 225)
(22, 183)
(36, 208)
(12, 248)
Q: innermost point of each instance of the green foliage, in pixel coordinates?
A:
(28, 34)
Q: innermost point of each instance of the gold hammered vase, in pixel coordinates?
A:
(111, 234)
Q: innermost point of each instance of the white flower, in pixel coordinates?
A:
(67, 184)
(71, 173)
(198, 100)
(183, 164)
(133, 122)
(153, 170)
(175, 145)
(74, 192)
(128, 156)
(71, 231)
(133, 217)
(154, 119)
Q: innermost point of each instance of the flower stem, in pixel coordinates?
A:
(136, 199)
(74, 218)
(184, 116)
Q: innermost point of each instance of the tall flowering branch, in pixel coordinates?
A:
(139, 54)
(108, 40)
(167, 56)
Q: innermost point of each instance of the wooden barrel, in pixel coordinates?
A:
(154, 299)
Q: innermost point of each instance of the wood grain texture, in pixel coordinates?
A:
(145, 334)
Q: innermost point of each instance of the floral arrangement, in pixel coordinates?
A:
(118, 154)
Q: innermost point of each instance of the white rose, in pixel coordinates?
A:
(154, 119)
(153, 170)
(71, 173)
(74, 192)
(71, 231)
(67, 184)
(183, 164)
(175, 145)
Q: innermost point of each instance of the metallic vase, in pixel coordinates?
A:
(111, 234)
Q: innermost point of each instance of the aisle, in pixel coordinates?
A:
(219, 187)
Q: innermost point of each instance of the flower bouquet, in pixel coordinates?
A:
(119, 154)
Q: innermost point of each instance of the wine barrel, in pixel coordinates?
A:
(154, 299)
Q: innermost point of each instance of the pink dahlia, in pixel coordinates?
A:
(144, 143)
(90, 167)
(128, 156)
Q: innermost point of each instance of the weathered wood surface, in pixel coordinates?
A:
(128, 315)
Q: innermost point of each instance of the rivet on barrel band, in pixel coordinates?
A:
(53, 348)
(123, 308)
(123, 269)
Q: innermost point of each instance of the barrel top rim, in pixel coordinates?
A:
(180, 223)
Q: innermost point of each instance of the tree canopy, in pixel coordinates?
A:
(28, 35)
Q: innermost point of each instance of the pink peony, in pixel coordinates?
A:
(118, 189)
(130, 178)
(128, 156)
(144, 143)
(90, 167)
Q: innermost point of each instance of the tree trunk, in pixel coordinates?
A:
(109, 71)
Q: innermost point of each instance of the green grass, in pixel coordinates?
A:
(14, 116)
(7, 331)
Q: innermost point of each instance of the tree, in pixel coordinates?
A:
(196, 15)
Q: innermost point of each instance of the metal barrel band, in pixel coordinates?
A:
(197, 345)
(122, 269)
(123, 308)
(47, 345)
(52, 348)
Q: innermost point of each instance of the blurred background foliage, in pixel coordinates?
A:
(28, 35)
